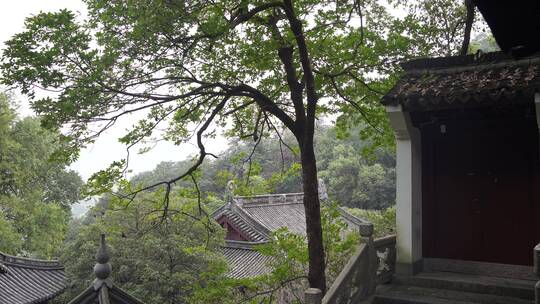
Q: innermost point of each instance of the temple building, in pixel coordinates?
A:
(250, 221)
(29, 281)
(468, 170)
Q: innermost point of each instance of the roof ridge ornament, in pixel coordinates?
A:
(103, 268)
(479, 55)
(323, 194)
(3, 269)
(102, 290)
(229, 191)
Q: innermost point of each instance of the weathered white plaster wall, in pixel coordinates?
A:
(409, 191)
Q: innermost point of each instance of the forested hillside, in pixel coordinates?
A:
(356, 176)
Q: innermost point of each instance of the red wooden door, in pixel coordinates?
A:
(481, 207)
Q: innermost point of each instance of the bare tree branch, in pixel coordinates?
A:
(272, 290)
(195, 166)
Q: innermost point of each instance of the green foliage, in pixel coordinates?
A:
(354, 179)
(384, 221)
(11, 241)
(103, 181)
(485, 43)
(437, 26)
(36, 191)
(157, 259)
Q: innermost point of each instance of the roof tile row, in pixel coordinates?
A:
(29, 281)
(465, 81)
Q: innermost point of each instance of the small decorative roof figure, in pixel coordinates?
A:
(103, 291)
(323, 194)
(229, 191)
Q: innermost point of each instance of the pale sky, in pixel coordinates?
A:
(106, 149)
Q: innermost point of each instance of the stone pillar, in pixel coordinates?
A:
(409, 192)
(366, 233)
(313, 296)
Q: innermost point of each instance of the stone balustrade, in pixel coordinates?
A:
(372, 264)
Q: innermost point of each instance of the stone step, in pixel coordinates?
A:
(402, 294)
(523, 289)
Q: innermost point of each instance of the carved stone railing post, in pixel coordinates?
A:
(386, 256)
(357, 282)
(366, 232)
(537, 271)
(313, 296)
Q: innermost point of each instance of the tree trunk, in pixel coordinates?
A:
(312, 206)
(468, 27)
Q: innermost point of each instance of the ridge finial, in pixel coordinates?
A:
(102, 269)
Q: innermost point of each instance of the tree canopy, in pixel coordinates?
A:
(353, 179)
(163, 263)
(36, 190)
(192, 69)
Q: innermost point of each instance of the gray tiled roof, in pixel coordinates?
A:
(115, 294)
(275, 211)
(465, 81)
(276, 215)
(271, 198)
(257, 217)
(244, 261)
(29, 281)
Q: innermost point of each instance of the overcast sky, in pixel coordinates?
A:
(107, 148)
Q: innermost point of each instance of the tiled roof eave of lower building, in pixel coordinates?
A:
(30, 281)
(240, 221)
(243, 244)
(29, 262)
(280, 210)
(116, 294)
(245, 261)
(256, 225)
(264, 218)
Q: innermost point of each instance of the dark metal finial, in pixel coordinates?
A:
(102, 269)
(102, 255)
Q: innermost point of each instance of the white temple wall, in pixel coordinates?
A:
(409, 191)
